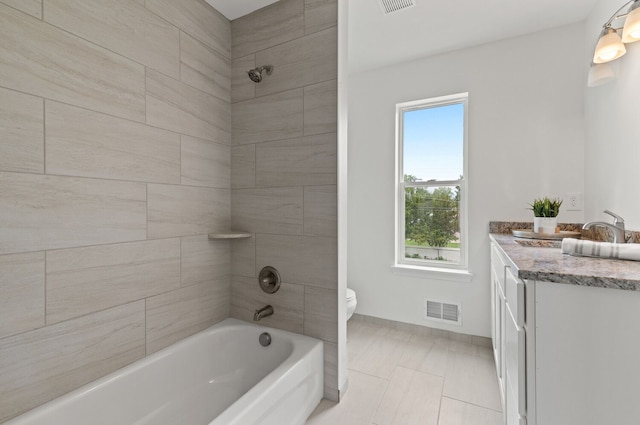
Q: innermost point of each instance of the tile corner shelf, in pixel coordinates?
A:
(230, 235)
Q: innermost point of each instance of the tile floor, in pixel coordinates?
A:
(401, 375)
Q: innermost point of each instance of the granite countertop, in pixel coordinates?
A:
(550, 265)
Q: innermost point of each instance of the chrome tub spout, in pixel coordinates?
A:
(262, 313)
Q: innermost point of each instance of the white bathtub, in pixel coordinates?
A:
(220, 376)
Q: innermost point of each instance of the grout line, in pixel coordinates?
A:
(146, 203)
(111, 179)
(284, 90)
(471, 404)
(145, 327)
(44, 136)
(181, 242)
(45, 287)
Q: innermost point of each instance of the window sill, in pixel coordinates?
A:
(441, 273)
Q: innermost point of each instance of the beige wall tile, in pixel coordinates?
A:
(307, 60)
(321, 108)
(204, 68)
(43, 364)
(177, 106)
(274, 117)
(89, 144)
(86, 280)
(319, 15)
(187, 211)
(48, 212)
(205, 163)
(288, 303)
(243, 166)
(320, 211)
(40, 59)
(321, 313)
(175, 315)
(243, 257)
(21, 292)
(270, 26)
(272, 210)
(21, 132)
(204, 259)
(242, 88)
(121, 26)
(309, 160)
(300, 259)
(198, 19)
(32, 7)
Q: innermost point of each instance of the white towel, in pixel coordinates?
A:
(585, 248)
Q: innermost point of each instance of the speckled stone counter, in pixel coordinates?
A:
(550, 265)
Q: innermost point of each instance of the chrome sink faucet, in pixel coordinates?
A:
(617, 228)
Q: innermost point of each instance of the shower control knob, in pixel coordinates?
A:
(269, 279)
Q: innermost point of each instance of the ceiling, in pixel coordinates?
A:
(434, 26)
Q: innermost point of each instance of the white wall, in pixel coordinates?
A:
(526, 140)
(613, 134)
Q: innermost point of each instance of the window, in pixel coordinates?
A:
(431, 183)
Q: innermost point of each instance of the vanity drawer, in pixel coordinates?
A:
(499, 266)
(514, 294)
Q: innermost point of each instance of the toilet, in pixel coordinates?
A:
(351, 302)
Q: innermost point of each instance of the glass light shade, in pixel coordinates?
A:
(599, 74)
(609, 47)
(631, 30)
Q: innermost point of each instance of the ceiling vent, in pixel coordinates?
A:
(390, 6)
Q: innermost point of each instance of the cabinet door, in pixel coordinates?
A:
(515, 370)
(497, 317)
(495, 320)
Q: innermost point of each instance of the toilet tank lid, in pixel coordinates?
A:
(351, 294)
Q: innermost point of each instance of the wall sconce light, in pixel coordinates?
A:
(610, 46)
(599, 74)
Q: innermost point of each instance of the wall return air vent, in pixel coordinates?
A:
(390, 6)
(443, 312)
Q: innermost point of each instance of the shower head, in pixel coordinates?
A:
(256, 73)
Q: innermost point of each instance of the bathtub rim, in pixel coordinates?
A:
(306, 343)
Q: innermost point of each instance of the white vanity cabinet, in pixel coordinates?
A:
(509, 336)
(566, 353)
(587, 355)
(498, 310)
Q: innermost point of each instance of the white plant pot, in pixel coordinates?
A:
(545, 225)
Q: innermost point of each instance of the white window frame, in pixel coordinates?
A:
(450, 271)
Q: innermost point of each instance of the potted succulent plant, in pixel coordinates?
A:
(545, 212)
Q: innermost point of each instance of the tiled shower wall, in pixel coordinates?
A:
(115, 156)
(283, 168)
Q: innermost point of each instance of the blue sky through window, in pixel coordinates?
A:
(433, 142)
